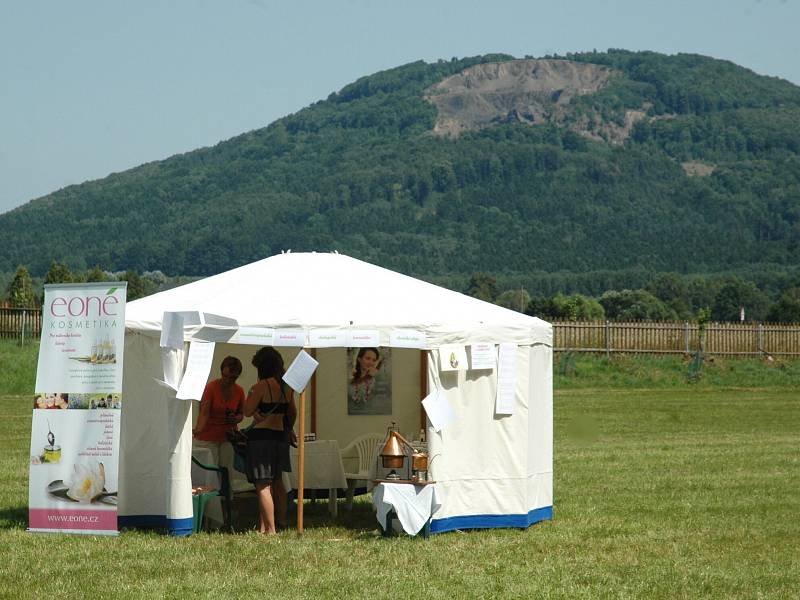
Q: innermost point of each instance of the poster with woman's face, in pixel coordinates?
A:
(369, 381)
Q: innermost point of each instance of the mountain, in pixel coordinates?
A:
(602, 162)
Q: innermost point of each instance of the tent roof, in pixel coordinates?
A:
(320, 290)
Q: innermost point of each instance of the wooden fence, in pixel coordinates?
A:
(644, 337)
(648, 337)
(20, 323)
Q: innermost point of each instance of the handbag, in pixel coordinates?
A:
(238, 439)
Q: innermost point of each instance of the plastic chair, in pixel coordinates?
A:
(361, 451)
(201, 499)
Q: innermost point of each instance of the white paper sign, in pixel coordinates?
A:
(506, 379)
(363, 338)
(255, 336)
(327, 338)
(290, 337)
(482, 356)
(219, 320)
(214, 334)
(172, 330)
(300, 371)
(453, 358)
(198, 366)
(438, 410)
(407, 338)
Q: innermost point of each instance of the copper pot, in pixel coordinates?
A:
(419, 461)
(392, 453)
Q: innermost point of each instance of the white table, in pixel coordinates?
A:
(414, 504)
(323, 469)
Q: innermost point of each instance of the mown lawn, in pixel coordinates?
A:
(689, 492)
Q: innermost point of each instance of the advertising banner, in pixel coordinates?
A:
(76, 414)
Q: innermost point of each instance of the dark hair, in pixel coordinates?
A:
(357, 367)
(233, 363)
(269, 363)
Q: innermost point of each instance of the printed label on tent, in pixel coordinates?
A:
(482, 356)
(407, 338)
(506, 379)
(363, 338)
(74, 451)
(327, 338)
(198, 366)
(290, 337)
(256, 336)
(453, 358)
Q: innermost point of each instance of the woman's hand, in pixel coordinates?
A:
(258, 417)
(293, 438)
(373, 370)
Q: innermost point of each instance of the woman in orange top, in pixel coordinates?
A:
(221, 409)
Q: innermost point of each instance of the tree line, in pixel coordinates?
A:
(25, 291)
(666, 297)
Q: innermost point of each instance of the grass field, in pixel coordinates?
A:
(671, 491)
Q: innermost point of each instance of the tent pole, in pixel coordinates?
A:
(423, 385)
(313, 428)
(301, 456)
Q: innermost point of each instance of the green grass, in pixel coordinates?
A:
(18, 366)
(671, 372)
(663, 489)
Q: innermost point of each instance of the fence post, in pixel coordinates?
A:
(22, 333)
(761, 339)
(608, 341)
(686, 337)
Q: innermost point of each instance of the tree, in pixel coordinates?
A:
(59, 273)
(572, 307)
(96, 274)
(514, 299)
(630, 305)
(787, 308)
(482, 286)
(20, 290)
(672, 290)
(735, 295)
(136, 286)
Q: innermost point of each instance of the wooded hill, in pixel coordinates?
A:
(615, 164)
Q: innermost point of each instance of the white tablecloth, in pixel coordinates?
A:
(414, 504)
(322, 469)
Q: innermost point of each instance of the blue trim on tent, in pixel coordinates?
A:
(180, 527)
(176, 527)
(142, 522)
(490, 521)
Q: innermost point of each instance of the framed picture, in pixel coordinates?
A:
(369, 381)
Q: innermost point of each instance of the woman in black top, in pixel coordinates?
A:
(271, 404)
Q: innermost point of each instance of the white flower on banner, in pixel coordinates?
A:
(87, 482)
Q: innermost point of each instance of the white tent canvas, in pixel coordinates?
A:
(491, 469)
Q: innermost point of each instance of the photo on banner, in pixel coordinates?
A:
(74, 451)
(369, 381)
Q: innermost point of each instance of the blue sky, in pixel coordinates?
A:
(88, 88)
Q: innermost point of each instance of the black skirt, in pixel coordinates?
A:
(267, 455)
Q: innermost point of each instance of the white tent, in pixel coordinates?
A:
(491, 470)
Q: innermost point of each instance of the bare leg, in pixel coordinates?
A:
(281, 501)
(266, 509)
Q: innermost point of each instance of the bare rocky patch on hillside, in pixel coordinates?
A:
(530, 91)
